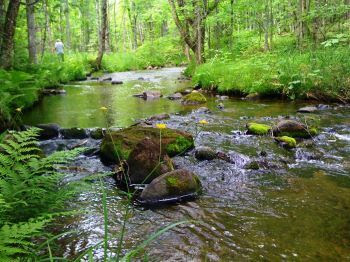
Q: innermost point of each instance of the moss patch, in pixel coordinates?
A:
(288, 142)
(300, 134)
(179, 146)
(258, 129)
(178, 185)
(194, 98)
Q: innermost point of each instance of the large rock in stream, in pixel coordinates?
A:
(195, 98)
(171, 187)
(140, 148)
(294, 129)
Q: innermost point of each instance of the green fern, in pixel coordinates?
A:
(30, 188)
(15, 239)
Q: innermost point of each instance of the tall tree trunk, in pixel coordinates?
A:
(231, 23)
(266, 26)
(47, 31)
(2, 18)
(97, 6)
(9, 33)
(115, 25)
(271, 24)
(102, 45)
(68, 33)
(30, 11)
(61, 20)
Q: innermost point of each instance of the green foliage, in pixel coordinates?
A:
(15, 238)
(160, 52)
(31, 189)
(284, 72)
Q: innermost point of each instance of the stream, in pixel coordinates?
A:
(296, 207)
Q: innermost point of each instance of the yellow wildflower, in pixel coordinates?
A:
(161, 126)
(203, 122)
(19, 110)
(103, 108)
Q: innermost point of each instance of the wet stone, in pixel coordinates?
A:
(48, 131)
(308, 109)
(205, 153)
(74, 133)
(176, 96)
(171, 187)
(117, 82)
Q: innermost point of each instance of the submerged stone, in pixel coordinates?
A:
(195, 98)
(118, 145)
(252, 96)
(205, 153)
(286, 141)
(171, 187)
(74, 133)
(151, 94)
(253, 165)
(117, 82)
(307, 109)
(158, 117)
(220, 106)
(258, 129)
(294, 129)
(48, 131)
(97, 133)
(176, 96)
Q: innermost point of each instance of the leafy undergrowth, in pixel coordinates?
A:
(160, 52)
(321, 73)
(32, 193)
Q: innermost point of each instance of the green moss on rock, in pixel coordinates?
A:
(195, 98)
(179, 146)
(258, 129)
(175, 184)
(294, 129)
(286, 141)
(122, 142)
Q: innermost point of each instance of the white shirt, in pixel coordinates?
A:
(59, 47)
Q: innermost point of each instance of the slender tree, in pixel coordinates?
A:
(2, 18)
(30, 11)
(102, 42)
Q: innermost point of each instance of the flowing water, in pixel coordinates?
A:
(296, 207)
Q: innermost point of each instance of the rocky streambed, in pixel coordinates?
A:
(262, 198)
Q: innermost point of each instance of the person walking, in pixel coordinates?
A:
(59, 46)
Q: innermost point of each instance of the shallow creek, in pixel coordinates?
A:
(295, 208)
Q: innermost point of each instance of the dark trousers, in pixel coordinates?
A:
(61, 57)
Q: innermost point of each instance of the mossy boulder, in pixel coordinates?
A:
(145, 162)
(195, 98)
(258, 129)
(294, 129)
(171, 187)
(286, 141)
(118, 145)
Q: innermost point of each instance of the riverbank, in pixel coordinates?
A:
(320, 73)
